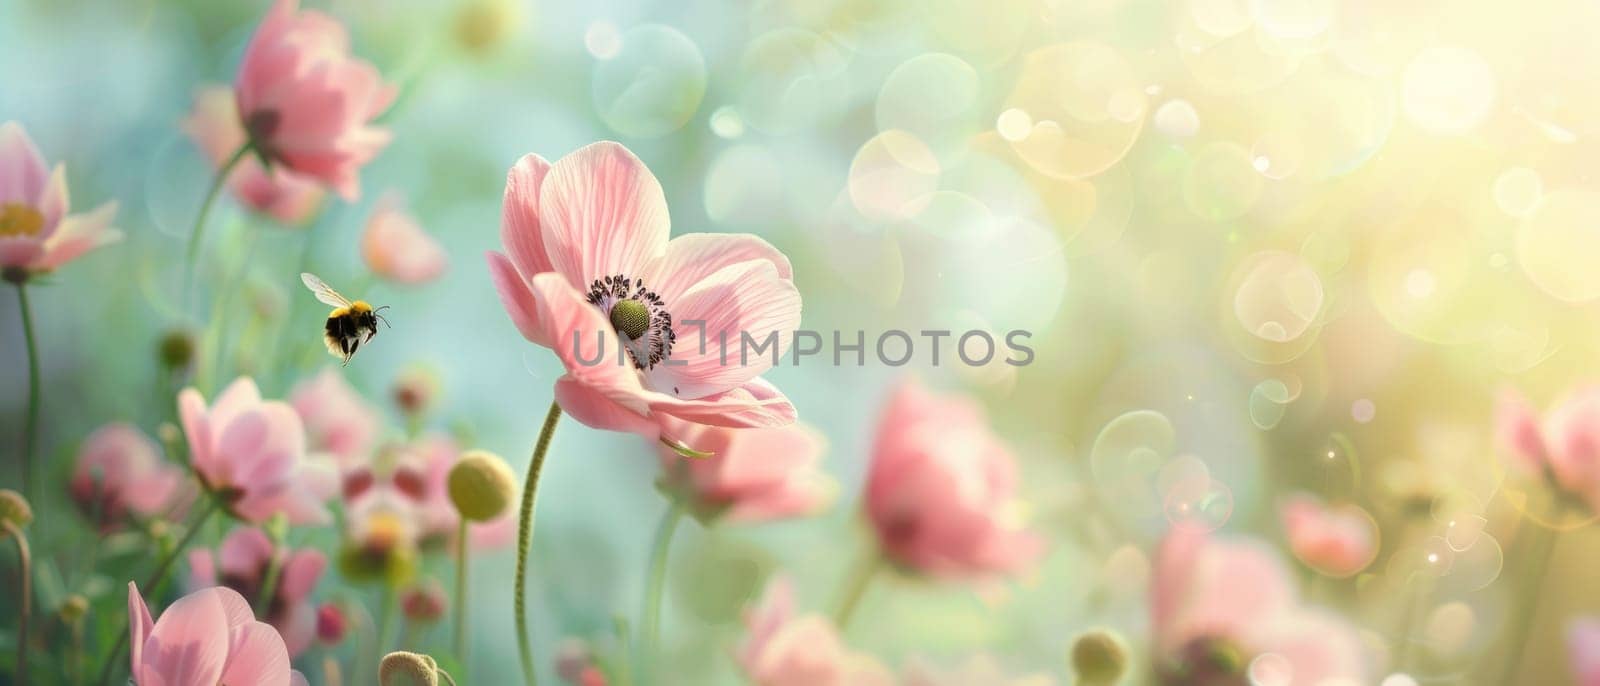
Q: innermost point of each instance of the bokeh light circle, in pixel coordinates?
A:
(1279, 297)
(1087, 105)
(1517, 191)
(652, 86)
(1222, 183)
(790, 79)
(1558, 245)
(1177, 119)
(1447, 90)
(892, 176)
(934, 97)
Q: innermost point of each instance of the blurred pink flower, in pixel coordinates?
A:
(576, 664)
(306, 103)
(785, 650)
(1563, 449)
(241, 564)
(206, 637)
(941, 489)
(978, 670)
(36, 233)
(1336, 541)
(331, 624)
(337, 419)
(397, 249)
(591, 270)
(120, 470)
(751, 475)
(250, 453)
(214, 125)
(1583, 649)
(1216, 605)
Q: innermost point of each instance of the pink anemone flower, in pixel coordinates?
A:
(214, 125)
(1583, 649)
(397, 249)
(36, 233)
(1218, 605)
(1338, 541)
(788, 650)
(206, 637)
(306, 103)
(121, 471)
(750, 475)
(250, 454)
(242, 562)
(941, 489)
(337, 419)
(590, 273)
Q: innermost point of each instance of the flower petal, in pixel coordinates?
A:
(593, 409)
(245, 553)
(692, 257)
(300, 574)
(520, 231)
(517, 299)
(602, 213)
(256, 655)
(139, 626)
(189, 643)
(78, 234)
(727, 325)
(23, 173)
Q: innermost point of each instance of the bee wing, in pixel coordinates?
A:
(323, 291)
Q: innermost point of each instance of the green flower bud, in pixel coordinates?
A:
(14, 509)
(176, 349)
(401, 668)
(1099, 658)
(73, 608)
(481, 486)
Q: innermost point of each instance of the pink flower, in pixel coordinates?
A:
(120, 470)
(590, 270)
(338, 420)
(1217, 605)
(250, 453)
(576, 664)
(1563, 449)
(331, 624)
(214, 125)
(785, 650)
(751, 475)
(941, 489)
(36, 233)
(306, 103)
(207, 637)
(397, 249)
(1583, 648)
(1336, 541)
(241, 564)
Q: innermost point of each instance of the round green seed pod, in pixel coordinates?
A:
(14, 509)
(401, 668)
(1099, 658)
(481, 486)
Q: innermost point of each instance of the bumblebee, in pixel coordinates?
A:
(350, 324)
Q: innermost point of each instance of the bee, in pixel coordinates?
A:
(349, 324)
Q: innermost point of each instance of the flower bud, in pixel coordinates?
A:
(176, 349)
(73, 608)
(401, 668)
(1099, 658)
(14, 510)
(424, 603)
(331, 624)
(415, 390)
(481, 486)
(483, 24)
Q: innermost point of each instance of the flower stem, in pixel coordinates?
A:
(386, 619)
(25, 601)
(216, 332)
(269, 584)
(1541, 547)
(155, 579)
(200, 220)
(650, 623)
(856, 587)
(525, 539)
(31, 428)
(462, 546)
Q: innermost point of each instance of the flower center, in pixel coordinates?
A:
(17, 219)
(638, 316)
(1209, 661)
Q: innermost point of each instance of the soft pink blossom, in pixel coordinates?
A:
(1583, 650)
(338, 420)
(207, 637)
(941, 489)
(1217, 604)
(214, 125)
(250, 454)
(783, 649)
(121, 471)
(1563, 448)
(396, 248)
(36, 233)
(589, 233)
(750, 475)
(241, 564)
(1337, 541)
(306, 103)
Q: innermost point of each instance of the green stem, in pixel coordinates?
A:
(462, 546)
(530, 489)
(1541, 548)
(651, 623)
(156, 578)
(856, 587)
(200, 220)
(386, 619)
(25, 601)
(216, 332)
(269, 584)
(31, 428)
